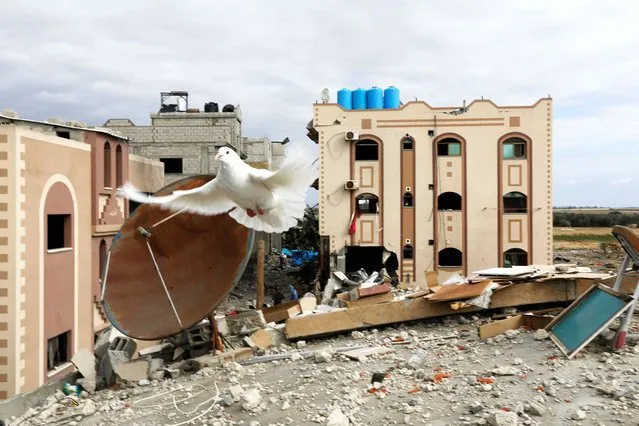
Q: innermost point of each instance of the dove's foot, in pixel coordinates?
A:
(260, 212)
(250, 212)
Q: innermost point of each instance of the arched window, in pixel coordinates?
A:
(408, 199)
(449, 201)
(407, 143)
(449, 147)
(450, 258)
(514, 149)
(407, 252)
(515, 257)
(103, 256)
(367, 203)
(515, 202)
(118, 167)
(366, 150)
(107, 165)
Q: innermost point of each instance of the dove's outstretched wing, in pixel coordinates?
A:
(296, 173)
(207, 199)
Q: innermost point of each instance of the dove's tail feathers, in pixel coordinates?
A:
(299, 169)
(267, 222)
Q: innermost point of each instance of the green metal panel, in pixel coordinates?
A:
(586, 318)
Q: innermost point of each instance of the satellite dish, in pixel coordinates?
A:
(199, 259)
(325, 95)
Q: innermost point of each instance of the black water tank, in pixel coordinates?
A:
(211, 107)
(228, 108)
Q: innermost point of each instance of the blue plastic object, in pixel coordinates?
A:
(359, 99)
(391, 98)
(299, 257)
(345, 98)
(374, 98)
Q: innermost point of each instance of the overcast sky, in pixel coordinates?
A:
(71, 60)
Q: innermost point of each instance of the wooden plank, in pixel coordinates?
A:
(458, 292)
(371, 291)
(414, 309)
(370, 300)
(279, 312)
(534, 322)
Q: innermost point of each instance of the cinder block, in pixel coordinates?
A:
(124, 344)
(108, 363)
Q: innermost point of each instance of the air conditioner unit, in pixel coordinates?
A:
(351, 185)
(351, 136)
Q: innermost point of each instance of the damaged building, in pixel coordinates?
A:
(185, 139)
(445, 189)
(58, 182)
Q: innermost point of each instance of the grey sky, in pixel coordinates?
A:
(71, 60)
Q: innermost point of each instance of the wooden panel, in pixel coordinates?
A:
(366, 176)
(514, 121)
(366, 123)
(514, 175)
(515, 230)
(366, 229)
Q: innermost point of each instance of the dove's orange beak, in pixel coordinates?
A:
(217, 156)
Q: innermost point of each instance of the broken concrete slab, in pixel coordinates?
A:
(133, 371)
(85, 362)
(245, 322)
(108, 363)
(124, 344)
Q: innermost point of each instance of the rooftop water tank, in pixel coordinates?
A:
(344, 98)
(228, 108)
(374, 98)
(359, 99)
(391, 98)
(211, 107)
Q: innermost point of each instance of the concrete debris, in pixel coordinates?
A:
(503, 418)
(337, 418)
(250, 399)
(541, 334)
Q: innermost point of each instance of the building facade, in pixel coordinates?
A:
(446, 189)
(58, 213)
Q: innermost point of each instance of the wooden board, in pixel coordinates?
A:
(279, 312)
(534, 322)
(413, 309)
(586, 317)
(458, 292)
(370, 300)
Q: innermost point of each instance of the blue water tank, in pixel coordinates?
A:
(374, 98)
(344, 98)
(391, 98)
(359, 99)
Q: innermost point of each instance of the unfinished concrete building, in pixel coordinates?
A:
(58, 214)
(446, 189)
(186, 140)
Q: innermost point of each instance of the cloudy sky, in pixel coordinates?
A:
(67, 59)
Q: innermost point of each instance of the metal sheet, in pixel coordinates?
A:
(586, 317)
(201, 258)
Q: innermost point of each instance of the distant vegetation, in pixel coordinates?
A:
(587, 218)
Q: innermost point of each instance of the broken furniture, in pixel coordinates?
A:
(587, 317)
(166, 271)
(629, 240)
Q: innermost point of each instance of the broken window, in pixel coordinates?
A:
(407, 252)
(449, 147)
(449, 257)
(107, 165)
(366, 150)
(449, 201)
(408, 199)
(515, 257)
(58, 231)
(119, 178)
(407, 143)
(63, 134)
(515, 148)
(367, 203)
(172, 165)
(58, 350)
(515, 202)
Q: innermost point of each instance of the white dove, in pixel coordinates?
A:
(264, 200)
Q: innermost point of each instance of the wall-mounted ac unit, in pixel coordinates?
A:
(351, 135)
(351, 185)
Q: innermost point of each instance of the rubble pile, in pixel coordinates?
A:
(439, 372)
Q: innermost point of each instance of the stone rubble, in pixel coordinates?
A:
(517, 378)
